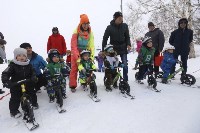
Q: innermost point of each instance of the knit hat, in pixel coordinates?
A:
(151, 24)
(25, 45)
(19, 51)
(117, 14)
(55, 29)
(84, 19)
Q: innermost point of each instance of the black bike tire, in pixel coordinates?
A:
(188, 77)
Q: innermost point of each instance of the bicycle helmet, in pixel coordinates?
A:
(52, 53)
(146, 39)
(85, 52)
(169, 47)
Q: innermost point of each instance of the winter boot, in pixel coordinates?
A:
(64, 96)
(164, 81)
(140, 82)
(115, 85)
(35, 106)
(16, 114)
(51, 98)
(108, 88)
(73, 90)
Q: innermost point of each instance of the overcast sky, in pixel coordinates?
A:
(32, 20)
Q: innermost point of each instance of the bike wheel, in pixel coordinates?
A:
(152, 81)
(188, 79)
(59, 96)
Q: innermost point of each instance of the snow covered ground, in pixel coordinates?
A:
(175, 110)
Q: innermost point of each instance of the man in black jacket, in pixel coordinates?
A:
(181, 39)
(119, 38)
(158, 41)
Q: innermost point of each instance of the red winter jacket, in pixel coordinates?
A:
(57, 41)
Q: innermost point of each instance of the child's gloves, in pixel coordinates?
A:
(8, 84)
(121, 65)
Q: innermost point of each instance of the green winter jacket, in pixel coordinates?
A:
(146, 56)
(55, 68)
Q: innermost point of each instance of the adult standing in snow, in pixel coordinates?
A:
(38, 63)
(2, 53)
(158, 41)
(181, 39)
(119, 38)
(82, 39)
(57, 41)
(2, 49)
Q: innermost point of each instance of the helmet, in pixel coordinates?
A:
(85, 52)
(169, 47)
(146, 39)
(53, 52)
(109, 48)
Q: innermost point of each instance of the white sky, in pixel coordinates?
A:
(32, 20)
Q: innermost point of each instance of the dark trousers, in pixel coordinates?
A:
(184, 59)
(110, 75)
(125, 68)
(16, 95)
(41, 82)
(142, 70)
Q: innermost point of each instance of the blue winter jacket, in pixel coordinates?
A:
(168, 61)
(38, 63)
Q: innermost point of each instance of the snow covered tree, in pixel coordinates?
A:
(165, 14)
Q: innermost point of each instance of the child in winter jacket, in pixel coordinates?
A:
(19, 69)
(139, 45)
(55, 73)
(145, 58)
(111, 62)
(167, 63)
(85, 67)
(99, 59)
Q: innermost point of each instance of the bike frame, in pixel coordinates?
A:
(176, 72)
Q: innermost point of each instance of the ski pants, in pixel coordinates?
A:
(73, 73)
(110, 75)
(16, 95)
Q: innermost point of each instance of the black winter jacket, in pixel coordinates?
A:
(157, 37)
(14, 73)
(181, 40)
(119, 37)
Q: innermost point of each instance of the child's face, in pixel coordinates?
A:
(21, 58)
(55, 59)
(86, 56)
(170, 50)
(149, 44)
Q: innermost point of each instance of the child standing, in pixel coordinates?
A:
(99, 59)
(19, 69)
(139, 45)
(85, 65)
(167, 63)
(145, 58)
(55, 73)
(111, 62)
